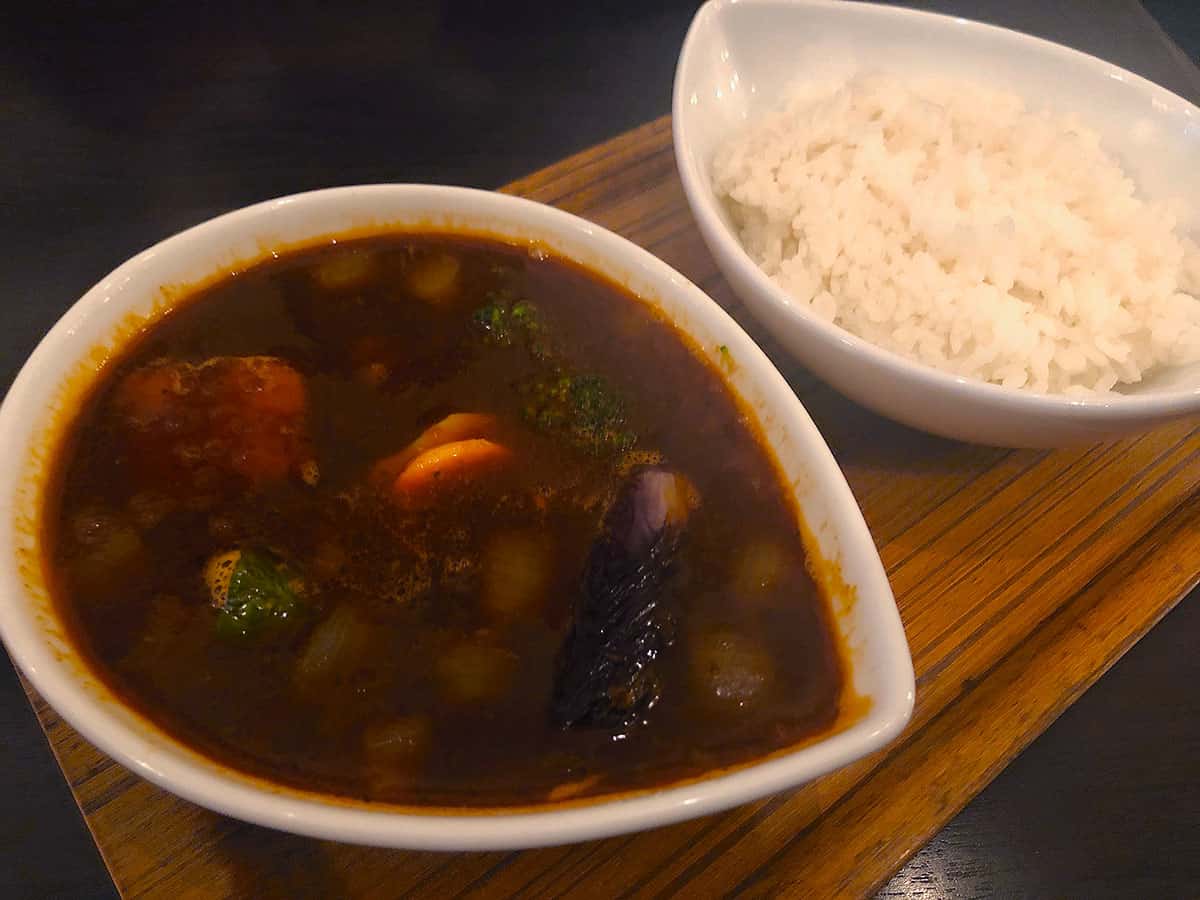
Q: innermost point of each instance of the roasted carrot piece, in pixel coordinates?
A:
(261, 414)
(448, 465)
(264, 455)
(243, 415)
(455, 427)
(271, 386)
(150, 393)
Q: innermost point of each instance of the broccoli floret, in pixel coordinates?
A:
(582, 408)
(508, 320)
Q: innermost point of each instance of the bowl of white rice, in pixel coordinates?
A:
(974, 232)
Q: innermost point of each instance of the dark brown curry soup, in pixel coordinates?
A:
(450, 600)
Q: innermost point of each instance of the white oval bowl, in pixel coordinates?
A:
(737, 62)
(880, 667)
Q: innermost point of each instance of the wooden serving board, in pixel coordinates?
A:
(1021, 577)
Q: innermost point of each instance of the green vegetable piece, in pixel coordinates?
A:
(492, 318)
(508, 320)
(254, 591)
(582, 408)
(725, 358)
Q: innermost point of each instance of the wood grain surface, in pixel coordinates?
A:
(1021, 577)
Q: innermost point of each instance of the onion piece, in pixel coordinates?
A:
(516, 569)
(732, 670)
(471, 672)
(398, 740)
(434, 278)
(338, 640)
(759, 568)
(346, 269)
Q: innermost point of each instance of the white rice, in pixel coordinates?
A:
(944, 221)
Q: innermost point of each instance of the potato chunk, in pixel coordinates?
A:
(730, 668)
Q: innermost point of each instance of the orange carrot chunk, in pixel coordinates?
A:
(271, 386)
(449, 465)
(455, 427)
(151, 393)
(243, 415)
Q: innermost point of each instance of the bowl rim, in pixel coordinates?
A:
(175, 767)
(955, 388)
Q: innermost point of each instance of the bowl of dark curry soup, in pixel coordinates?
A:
(429, 517)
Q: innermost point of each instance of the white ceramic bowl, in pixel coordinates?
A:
(881, 671)
(738, 60)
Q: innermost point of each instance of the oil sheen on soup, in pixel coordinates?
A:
(432, 519)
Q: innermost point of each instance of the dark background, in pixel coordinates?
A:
(121, 123)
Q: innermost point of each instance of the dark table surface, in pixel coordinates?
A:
(124, 122)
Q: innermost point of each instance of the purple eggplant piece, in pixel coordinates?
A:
(606, 674)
